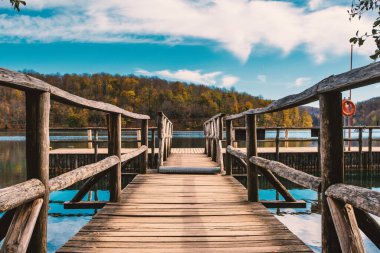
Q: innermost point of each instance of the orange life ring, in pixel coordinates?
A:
(348, 107)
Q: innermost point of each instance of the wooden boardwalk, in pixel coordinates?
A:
(64, 151)
(184, 213)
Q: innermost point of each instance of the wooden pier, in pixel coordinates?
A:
(184, 213)
(173, 208)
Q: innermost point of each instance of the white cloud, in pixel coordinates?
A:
(193, 76)
(185, 75)
(262, 78)
(302, 81)
(235, 25)
(229, 80)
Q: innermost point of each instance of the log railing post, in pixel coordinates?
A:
(37, 159)
(228, 143)
(96, 145)
(89, 138)
(153, 148)
(214, 140)
(114, 148)
(144, 141)
(370, 148)
(251, 143)
(277, 144)
(332, 169)
(160, 135)
(138, 138)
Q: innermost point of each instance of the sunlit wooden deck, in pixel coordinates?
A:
(184, 213)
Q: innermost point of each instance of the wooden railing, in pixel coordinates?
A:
(24, 225)
(165, 136)
(345, 208)
(213, 131)
(93, 140)
(238, 134)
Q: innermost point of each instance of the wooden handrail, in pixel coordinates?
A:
(19, 194)
(355, 78)
(27, 83)
(359, 197)
(301, 178)
(30, 190)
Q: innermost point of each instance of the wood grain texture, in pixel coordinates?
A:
(184, 213)
(18, 194)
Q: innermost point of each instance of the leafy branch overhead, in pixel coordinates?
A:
(358, 8)
(16, 4)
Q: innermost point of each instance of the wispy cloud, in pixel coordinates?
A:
(302, 81)
(262, 78)
(229, 80)
(215, 78)
(235, 25)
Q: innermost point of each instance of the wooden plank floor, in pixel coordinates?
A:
(189, 160)
(184, 213)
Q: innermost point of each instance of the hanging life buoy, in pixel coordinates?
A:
(348, 107)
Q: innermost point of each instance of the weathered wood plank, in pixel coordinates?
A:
(19, 194)
(206, 218)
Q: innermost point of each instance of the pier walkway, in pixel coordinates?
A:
(184, 213)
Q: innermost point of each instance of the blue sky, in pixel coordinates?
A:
(268, 48)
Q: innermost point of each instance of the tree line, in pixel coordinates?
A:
(187, 105)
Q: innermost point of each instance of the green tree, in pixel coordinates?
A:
(358, 8)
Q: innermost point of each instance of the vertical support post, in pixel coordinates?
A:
(165, 139)
(214, 141)
(361, 149)
(144, 141)
(96, 145)
(332, 169)
(153, 148)
(370, 148)
(114, 148)
(89, 138)
(37, 159)
(229, 143)
(138, 138)
(286, 138)
(160, 134)
(251, 143)
(277, 144)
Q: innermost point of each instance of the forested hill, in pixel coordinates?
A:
(187, 104)
(368, 112)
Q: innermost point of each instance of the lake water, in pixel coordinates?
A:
(63, 224)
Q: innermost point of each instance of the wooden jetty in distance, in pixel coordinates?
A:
(188, 208)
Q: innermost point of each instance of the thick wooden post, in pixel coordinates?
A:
(114, 148)
(89, 138)
(138, 138)
(160, 135)
(251, 143)
(153, 148)
(277, 144)
(96, 144)
(370, 148)
(229, 143)
(332, 169)
(144, 141)
(37, 159)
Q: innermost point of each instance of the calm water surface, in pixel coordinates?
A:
(63, 224)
